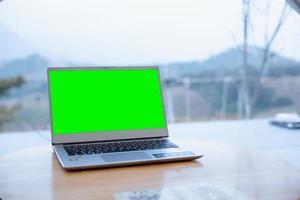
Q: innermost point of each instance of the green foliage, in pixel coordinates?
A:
(264, 100)
(6, 113)
(267, 97)
(7, 84)
(279, 71)
(212, 93)
(282, 101)
(232, 98)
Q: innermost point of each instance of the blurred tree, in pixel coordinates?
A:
(251, 89)
(6, 113)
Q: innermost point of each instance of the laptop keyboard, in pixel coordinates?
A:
(111, 147)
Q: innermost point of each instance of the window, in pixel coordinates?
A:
(219, 60)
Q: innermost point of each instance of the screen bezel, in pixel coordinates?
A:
(106, 135)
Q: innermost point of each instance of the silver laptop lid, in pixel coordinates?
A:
(105, 103)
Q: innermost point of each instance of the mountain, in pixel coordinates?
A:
(229, 59)
(33, 67)
(13, 46)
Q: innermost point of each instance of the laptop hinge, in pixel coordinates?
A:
(111, 140)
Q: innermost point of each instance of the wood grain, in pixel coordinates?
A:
(34, 173)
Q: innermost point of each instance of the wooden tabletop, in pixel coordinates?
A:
(34, 173)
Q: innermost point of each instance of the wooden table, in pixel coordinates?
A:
(34, 173)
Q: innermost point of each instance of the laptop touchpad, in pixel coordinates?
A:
(121, 157)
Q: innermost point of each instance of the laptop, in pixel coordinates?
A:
(109, 116)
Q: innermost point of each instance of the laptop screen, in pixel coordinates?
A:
(103, 100)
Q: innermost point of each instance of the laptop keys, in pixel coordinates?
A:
(112, 147)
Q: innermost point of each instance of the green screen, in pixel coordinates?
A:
(95, 100)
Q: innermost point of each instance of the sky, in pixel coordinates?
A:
(121, 32)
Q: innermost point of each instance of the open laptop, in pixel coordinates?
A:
(109, 116)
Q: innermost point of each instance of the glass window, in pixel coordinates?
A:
(235, 59)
